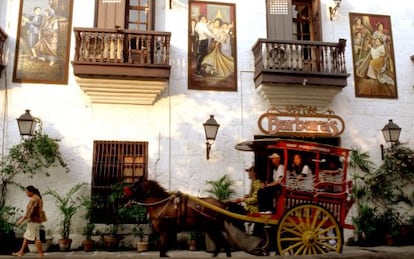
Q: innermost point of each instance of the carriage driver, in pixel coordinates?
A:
(271, 186)
(250, 201)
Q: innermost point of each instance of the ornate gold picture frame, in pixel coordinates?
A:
(43, 41)
(373, 56)
(212, 57)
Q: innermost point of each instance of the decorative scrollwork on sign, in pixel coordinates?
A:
(301, 109)
(301, 121)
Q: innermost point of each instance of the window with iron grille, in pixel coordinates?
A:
(115, 163)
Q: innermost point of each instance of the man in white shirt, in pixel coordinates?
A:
(204, 33)
(271, 186)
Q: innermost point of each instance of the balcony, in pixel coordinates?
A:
(121, 66)
(294, 73)
(3, 38)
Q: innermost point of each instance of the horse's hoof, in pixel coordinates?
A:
(215, 254)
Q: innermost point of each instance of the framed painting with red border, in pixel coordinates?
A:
(212, 57)
(373, 56)
(43, 41)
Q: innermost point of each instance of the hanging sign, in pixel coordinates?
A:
(301, 121)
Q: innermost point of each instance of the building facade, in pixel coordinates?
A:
(132, 77)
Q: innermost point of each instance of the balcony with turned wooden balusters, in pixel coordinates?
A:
(121, 66)
(292, 73)
(3, 38)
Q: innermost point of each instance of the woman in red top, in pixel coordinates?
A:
(34, 220)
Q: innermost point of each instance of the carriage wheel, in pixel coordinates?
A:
(308, 229)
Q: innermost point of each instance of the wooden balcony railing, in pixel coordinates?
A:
(122, 66)
(294, 72)
(300, 56)
(3, 38)
(143, 48)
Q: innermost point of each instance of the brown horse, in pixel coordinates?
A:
(171, 213)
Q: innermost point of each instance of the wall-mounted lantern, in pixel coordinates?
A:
(210, 128)
(27, 124)
(332, 10)
(391, 133)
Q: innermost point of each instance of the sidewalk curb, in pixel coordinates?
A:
(381, 252)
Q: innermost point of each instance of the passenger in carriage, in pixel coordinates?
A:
(272, 186)
(332, 173)
(332, 167)
(300, 174)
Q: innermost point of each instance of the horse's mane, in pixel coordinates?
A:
(148, 188)
(154, 188)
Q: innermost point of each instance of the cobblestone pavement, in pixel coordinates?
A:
(380, 252)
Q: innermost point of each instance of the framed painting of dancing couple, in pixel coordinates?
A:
(212, 57)
(43, 41)
(373, 56)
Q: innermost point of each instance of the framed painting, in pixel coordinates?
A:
(43, 41)
(212, 57)
(373, 56)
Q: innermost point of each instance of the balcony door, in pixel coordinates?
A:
(125, 14)
(293, 20)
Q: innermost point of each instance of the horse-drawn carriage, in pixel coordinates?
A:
(309, 218)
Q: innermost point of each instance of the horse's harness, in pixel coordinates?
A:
(180, 204)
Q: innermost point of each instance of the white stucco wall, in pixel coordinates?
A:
(173, 125)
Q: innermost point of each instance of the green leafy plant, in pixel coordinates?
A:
(137, 215)
(88, 229)
(67, 204)
(367, 223)
(8, 216)
(384, 189)
(390, 179)
(362, 168)
(31, 156)
(221, 188)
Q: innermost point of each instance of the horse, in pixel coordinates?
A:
(171, 213)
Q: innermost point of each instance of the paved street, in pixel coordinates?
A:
(380, 252)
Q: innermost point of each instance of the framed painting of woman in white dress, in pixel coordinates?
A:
(212, 57)
(373, 56)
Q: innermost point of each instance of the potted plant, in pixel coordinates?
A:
(8, 215)
(137, 215)
(193, 240)
(221, 188)
(67, 204)
(88, 244)
(367, 225)
(384, 189)
(142, 243)
(390, 222)
(112, 237)
(89, 228)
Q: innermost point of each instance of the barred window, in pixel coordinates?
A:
(114, 163)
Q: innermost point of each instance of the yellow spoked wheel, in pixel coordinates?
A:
(308, 229)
